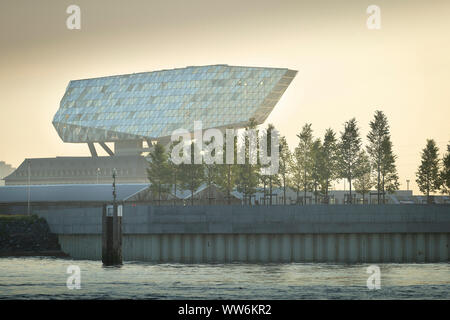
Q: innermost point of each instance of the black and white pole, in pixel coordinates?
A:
(112, 230)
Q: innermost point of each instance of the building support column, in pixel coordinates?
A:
(106, 148)
(92, 149)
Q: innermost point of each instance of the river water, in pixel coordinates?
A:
(46, 278)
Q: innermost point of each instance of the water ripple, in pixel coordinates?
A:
(45, 278)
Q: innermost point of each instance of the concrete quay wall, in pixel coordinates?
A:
(199, 234)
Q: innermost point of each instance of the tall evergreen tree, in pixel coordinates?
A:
(264, 179)
(329, 158)
(175, 173)
(379, 132)
(227, 174)
(389, 176)
(304, 157)
(296, 173)
(445, 173)
(264, 182)
(428, 178)
(317, 168)
(349, 152)
(285, 165)
(158, 171)
(273, 179)
(192, 175)
(211, 172)
(248, 176)
(364, 182)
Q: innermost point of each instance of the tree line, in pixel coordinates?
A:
(313, 165)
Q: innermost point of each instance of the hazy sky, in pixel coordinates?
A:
(345, 69)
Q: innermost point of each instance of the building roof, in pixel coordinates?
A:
(68, 192)
(82, 193)
(73, 170)
(150, 105)
(186, 194)
(5, 169)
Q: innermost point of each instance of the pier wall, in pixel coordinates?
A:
(223, 234)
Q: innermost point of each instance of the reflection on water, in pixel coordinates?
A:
(45, 278)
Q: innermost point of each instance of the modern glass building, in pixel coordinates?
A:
(151, 105)
(131, 109)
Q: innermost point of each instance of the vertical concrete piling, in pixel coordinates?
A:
(112, 235)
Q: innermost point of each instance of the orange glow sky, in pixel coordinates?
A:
(345, 69)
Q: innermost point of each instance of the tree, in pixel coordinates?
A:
(389, 176)
(248, 172)
(175, 172)
(329, 158)
(349, 152)
(317, 167)
(158, 171)
(296, 170)
(364, 182)
(264, 179)
(303, 157)
(428, 178)
(211, 172)
(285, 165)
(272, 179)
(445, 173)
(191, 174)
(228, 172)
(379, 132)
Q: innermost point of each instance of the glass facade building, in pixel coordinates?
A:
(129, 109)
(151, 105)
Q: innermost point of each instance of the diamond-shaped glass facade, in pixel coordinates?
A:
(151, 105)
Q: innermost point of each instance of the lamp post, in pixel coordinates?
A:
(114, 186)
(407, 184)
(112, 230)
(98, 172)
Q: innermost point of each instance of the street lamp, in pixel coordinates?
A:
(98, 172)
(114, 185)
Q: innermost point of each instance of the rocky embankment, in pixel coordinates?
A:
(22, 235)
